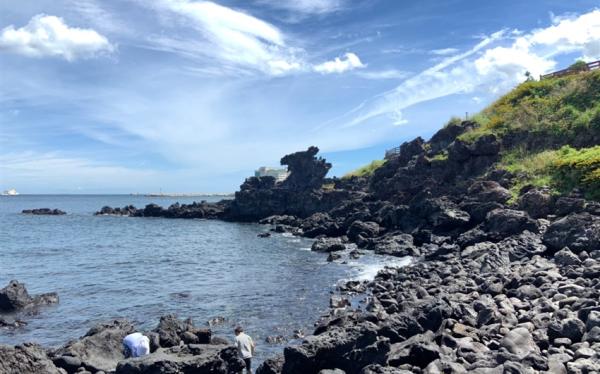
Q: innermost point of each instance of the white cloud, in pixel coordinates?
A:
(444, 51)
(306, 6)
(495, 64)
(383, 74)
(233, 37)
(49, 36)
(349, 61)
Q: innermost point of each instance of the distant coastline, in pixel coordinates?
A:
(162, 194)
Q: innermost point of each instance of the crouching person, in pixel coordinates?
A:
(136, 345)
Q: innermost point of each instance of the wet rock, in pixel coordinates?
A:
(11, 323)
(101, 348)
(338, 302)
(215, 321)
(333, 257)
(328, 245)
(264, 235)
(44, 212)
(271, 366)
(188, 359)
(15, 297)
(26, 359)
(173, 331)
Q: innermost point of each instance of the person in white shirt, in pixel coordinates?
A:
(245, 346)
(136, 345)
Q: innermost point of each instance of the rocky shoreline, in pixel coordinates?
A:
(501, 283)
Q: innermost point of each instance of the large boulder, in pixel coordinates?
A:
(26, 359)
(193, 358)
(579, 232)
(328, 245)
(537, 202)
(359, 231)
(101, 348)
(501, 223)
(15, 297)
(489, 191)
(172, 331)
(398, 245)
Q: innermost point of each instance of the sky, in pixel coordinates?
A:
(125, 96)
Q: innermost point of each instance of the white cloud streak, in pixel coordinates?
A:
(487, 67)
(46, 35)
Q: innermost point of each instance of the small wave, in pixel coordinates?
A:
(369, 271)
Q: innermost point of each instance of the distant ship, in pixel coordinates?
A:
(11, 192)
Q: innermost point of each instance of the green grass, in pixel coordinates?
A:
(560, 106)
(365, 171)
(561, 170)
(578, 169)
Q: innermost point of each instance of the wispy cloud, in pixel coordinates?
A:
(383, 74)
(46, 35)
(306, 6)
(349, 61)
(487, 67)
(444, 51)
(227, 35)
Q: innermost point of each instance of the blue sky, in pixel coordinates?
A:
(191, 96)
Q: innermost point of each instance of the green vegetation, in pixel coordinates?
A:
(442, 156)
(367, 170)
(562, 169)
(578, 168)
(567, 106)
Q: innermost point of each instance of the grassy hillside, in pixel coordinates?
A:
(550, 131)
(365, 171)
(566, 107)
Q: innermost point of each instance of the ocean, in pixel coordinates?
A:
(106, 267)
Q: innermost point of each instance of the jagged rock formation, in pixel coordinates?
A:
(14, 297)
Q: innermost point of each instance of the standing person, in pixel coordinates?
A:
(136, 345)
(245, 346)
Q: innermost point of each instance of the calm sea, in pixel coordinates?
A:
(141, 268)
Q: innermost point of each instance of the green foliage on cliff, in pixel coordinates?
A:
(562, 169)
(578, 168)
(566, 106)
(365, 171)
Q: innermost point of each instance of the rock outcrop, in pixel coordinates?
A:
(44, 212)
(14, 297)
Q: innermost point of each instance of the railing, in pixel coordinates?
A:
(561, 73)
(392, 152)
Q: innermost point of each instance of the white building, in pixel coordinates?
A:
(278, 173)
